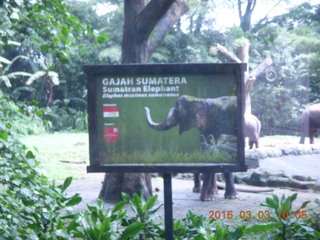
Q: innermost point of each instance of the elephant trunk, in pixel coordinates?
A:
(170, 121)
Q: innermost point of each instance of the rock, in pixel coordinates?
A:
(289, 151)
(316, 186)
(259, 178)
(303, 178)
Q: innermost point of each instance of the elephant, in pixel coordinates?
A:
(212, 117)
(310, 122)
(251, 129)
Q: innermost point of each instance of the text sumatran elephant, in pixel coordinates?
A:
(212, 117)
(310, 122)
(251, 129)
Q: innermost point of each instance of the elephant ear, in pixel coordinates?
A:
(188, 110)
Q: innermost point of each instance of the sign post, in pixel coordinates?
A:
(166, 118)
(168, 213)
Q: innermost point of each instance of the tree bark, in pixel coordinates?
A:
(177, 9)
(139, 22)
(245, 19)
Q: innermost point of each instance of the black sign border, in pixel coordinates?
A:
(183, 68)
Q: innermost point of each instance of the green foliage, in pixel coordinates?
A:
(288, 222)
(23, 119)
(46, 22)
(114, 223)
(5, 75)
(195, 226)
(279, 103)
(292, 41)
(64, 118)
(30, 206)
(314, 214)
(145, 215)
(95, 223)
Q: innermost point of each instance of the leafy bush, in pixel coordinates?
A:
(114, 223)
(199, 227)
(314, 214)
(24, 119)
(64, 118)
(30, 206)
(289, 223)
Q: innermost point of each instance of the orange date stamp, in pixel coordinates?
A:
(259, 215)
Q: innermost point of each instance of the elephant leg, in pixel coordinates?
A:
(312, 132)
(230, 192)
(214, 186)
(206, 191)
(197, 182)
(251, 143)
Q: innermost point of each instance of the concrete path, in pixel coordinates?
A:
(305, 165)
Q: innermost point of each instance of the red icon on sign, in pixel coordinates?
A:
(111, 134)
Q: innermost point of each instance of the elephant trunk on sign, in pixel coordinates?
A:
(170, 122)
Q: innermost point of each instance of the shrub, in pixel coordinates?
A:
(24, 119)
(30, 206)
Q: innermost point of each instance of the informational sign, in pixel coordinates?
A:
(171, 117)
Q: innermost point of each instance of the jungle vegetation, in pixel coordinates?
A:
(44, 44)
(42, 53)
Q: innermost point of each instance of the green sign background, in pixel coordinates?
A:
(137, 142)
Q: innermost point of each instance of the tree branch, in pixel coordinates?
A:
(148, 18)
(177, 9)
(227, 54)
(255, 73)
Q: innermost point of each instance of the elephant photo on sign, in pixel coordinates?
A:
(310, 122)
(214, 118)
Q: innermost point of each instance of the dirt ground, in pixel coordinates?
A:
(184, 199)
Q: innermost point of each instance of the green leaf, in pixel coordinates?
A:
(66, 184)
(30, 155)
(150, 203)
(102, 38)
(6, 81)
(76, 199)
(118, 206)
(132, 230)
(126, 198)
(304, 204)
(4, 60)
(35, 76)
(4, 135)
(45, 47)
(272, 203)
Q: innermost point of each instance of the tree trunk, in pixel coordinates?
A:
(139, 22)
(245, 19)
(116, 183)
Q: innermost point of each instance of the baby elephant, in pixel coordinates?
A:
(252, 127)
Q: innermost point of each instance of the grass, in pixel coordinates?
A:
(173, 157)
(52, 149)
